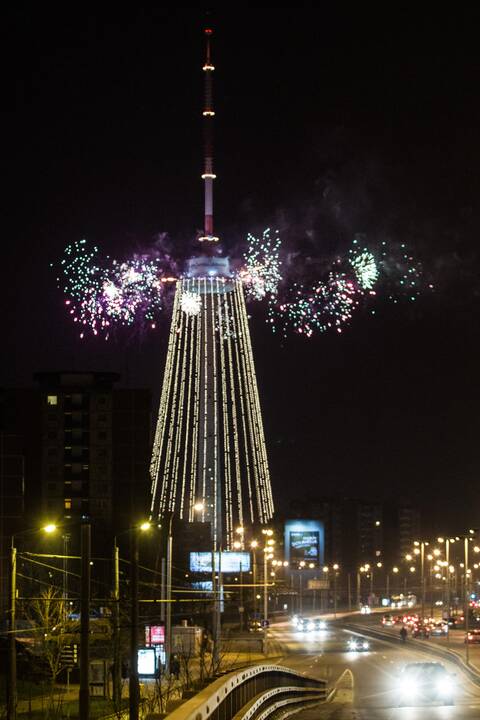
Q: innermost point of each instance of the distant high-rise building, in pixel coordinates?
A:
(86, 446)
(359, 531)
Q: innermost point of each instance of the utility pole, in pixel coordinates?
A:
(422, 560)
(265, 590)
(117, 675)
(133, 687)
(466, 611)
(168, 597)
(254, 578)
(335, 594)
(84, 692)
(447, 558)
(349, 585)
(241, 608)
(12, 649)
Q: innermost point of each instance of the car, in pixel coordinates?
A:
(365, 610)
(439, 629)
(255, 626)
(320, 624)
(472, 637)
(425, 682)
(387, 620)
(307, 625)
(420, 630)
(358, 644)
(455, 621)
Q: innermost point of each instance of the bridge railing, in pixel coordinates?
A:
(251, 694)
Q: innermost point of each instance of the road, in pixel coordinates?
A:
(375, 673)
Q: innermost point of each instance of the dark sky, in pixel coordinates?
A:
(328, 124)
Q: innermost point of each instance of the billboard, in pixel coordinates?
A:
(146, 661)
(304, 542)
(154, 635)
(231, 562)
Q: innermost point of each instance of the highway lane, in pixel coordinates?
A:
(375, 677)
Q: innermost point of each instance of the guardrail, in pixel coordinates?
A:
(419, 645)
(252, 693)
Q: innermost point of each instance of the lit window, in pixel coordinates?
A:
(68, 504)
(52, 399)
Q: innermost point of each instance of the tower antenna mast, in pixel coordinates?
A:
(208, 175)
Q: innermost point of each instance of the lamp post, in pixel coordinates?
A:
(267, 555)
(133, 684)
(238, 545)
(117, 674)
(395, 571)
(335, 569)
(326, 573)
(168, 596)
(301, 565)
(12, 650)
(254, 545)
(85, 553)
(419, 549)
(466, 610)
(12, 624)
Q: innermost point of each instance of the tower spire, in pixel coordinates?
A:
(208, 175)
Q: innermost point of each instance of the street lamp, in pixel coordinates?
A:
(12, 621)
(335, 569)
(254, 545)
(134, 685)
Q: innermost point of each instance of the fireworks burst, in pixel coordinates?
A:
(261, 274)
(191, 303)
(364, 266)
(325, 306)
(102, 295)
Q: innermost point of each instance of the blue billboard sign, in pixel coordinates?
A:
(304, 542)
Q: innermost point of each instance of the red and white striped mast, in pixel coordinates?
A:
(208, 175)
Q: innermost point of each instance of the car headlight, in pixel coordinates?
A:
(445, 686)
(409, 687)
(365, 645)
(322, 625)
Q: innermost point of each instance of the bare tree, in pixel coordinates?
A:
(52, 630)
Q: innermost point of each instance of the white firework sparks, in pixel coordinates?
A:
(365, 269)
(191, 303)
(261, 273)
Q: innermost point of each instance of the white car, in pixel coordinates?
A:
(365, 610)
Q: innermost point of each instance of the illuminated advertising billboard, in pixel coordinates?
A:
(232, 562)
(146, 661)
(304, 542)
(154, 635)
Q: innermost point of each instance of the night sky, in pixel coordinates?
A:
(327, 125)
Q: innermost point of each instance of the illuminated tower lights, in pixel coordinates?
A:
(209, 443)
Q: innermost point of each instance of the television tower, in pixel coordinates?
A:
(209, 446)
